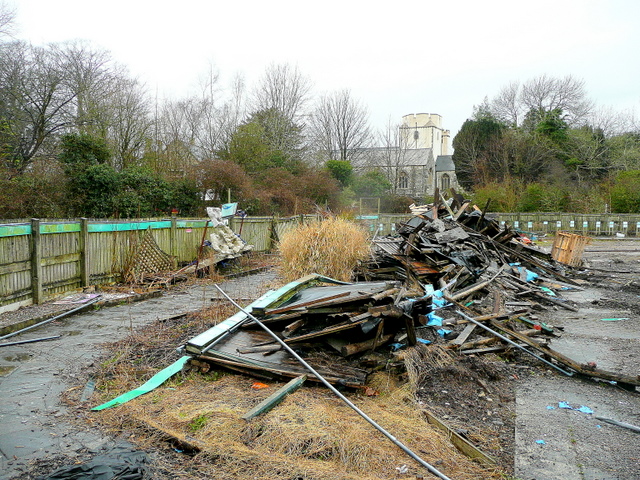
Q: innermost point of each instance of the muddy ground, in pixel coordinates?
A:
(507, 404)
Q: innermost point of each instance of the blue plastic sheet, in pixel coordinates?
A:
(434, 320)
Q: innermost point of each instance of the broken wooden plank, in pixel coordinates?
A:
(275, 398)
(292, 327)
(555, 301)
(481, 351)
(353, 348)
(316, 302)
(460, 339)
(559, 357)
(461, 443)
(461, 210)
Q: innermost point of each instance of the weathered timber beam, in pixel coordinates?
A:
(275, 398)
(570, 362)
(353, 348)
(461, 443)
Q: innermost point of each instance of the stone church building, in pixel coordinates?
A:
(419, 162)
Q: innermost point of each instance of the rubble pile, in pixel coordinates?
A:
(448, 277)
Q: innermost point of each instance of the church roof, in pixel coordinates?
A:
(444, 163)
(386, 157)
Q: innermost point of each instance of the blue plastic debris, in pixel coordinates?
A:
(541, 442)
(396, 346)
(582, 408)
(434, 320)
(550, 407)
(422, 340)
(443, 331)
(437, 300)
(531, 276)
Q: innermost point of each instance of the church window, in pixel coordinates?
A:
(403, 180)
(445, 182)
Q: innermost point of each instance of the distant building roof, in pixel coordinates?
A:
(444, 163)
(396, 157)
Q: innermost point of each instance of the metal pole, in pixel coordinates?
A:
(33, 340)
(502, 337)
(333, 389)
(69, 312)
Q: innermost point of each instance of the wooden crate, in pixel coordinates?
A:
(569, 247)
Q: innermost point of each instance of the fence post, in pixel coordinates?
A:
(172, 236)
(36, 262)
(84, 251)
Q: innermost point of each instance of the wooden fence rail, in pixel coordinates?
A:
(41, 259)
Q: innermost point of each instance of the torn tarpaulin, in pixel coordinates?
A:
(120, 462)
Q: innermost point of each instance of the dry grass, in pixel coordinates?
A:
(331, 247)
(311, 435)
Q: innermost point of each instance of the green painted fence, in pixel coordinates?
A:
(41, 259)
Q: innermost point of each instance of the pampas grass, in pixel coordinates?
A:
(331, 247)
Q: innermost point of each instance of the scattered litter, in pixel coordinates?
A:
(259, 386)
(541, 442)
(77, 298)
(614, 319)
(582, 408)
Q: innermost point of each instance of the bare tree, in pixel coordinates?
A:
(340, 126)
(540, 95)
(282, 88)
(506, 106)
(221, 113)
(94, 77)
(392, 154)
(7, 20)
(36, 101)
(545, 94)
(279, 100)
(130, 124)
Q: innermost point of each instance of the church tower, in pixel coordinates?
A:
(424, 130)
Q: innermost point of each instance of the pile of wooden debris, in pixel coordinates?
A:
(447, 277)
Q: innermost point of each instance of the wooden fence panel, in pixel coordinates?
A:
(109, 244)
(15, 269)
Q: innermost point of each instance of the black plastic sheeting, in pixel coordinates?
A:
(121, 462)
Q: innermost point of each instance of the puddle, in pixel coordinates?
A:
(20, 357)
(5, 370)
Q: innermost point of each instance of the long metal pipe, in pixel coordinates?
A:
(33, 340)
(64, 314)
(508, 340)
(429, 467)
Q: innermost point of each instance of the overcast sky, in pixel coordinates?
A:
(407, 57)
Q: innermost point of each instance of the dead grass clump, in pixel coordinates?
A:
(331, 247)
(311, 435)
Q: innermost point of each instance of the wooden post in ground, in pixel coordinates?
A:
(36, 262)
(173, 245)
(83, 243)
